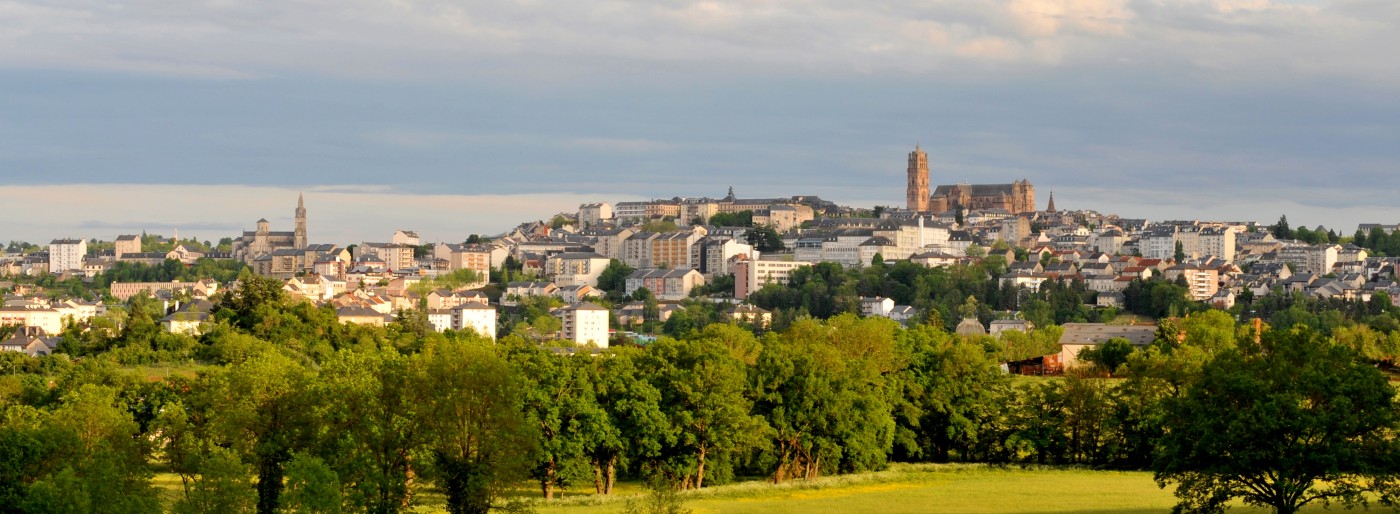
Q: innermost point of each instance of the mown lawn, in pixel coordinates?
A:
(922, 488)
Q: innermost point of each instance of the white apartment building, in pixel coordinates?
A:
(591, 214)
(585, 324)
(575, 268)
(67, 255)
(478, 318)
(751, 274)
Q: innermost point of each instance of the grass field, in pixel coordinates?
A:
(904, 488)
(925, 488)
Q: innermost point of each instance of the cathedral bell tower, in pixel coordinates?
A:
(300, 234)
(918, 194)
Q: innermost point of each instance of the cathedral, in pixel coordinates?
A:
(1016, 198)
(264, 241)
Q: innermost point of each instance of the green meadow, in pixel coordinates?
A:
(904, 488)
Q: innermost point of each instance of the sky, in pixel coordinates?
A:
(457, 117)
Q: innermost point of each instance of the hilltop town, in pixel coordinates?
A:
(606, 269)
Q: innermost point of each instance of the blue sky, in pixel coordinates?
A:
(213, 114)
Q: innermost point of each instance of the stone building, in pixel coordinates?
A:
(263, 241)
(1016, 198)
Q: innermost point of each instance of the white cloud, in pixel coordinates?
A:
(409, 39)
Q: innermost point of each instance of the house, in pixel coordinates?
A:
(903, 313)
(517, 291)
(33, 341)
(1004, 325)
(1113, 299)
(665, 284)
(876, 306)
(1078, 336)
(359, 315)
(585, 324)
(576, 293)
(191, 319)
(752, 315)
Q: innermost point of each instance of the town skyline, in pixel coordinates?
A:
(347, 214)
(1218, 109)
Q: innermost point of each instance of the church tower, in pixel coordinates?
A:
(918, 195)
(300, 234)
(1051, 207)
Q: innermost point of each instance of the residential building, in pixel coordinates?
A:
(477, 317)
(585, 324)
(395, 256)
(672, 249)
(475, 257)
(517, 291)
(126, 244)
(637, 249)
(404, 237)
(665, 284)
(575, 268)
(67, 255)
(591, 214)
(752, 273)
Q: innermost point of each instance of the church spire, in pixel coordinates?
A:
(1051, 206)
(300, 232)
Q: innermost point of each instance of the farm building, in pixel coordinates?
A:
(1079, 336)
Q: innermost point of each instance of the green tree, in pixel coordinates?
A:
(764, 238)
(1281, 230)
(369, 425)
(634, 428)
(312, 487)
(261, 409)
(1109, 355)
(1180, 254)
(221, 486)
(472, 414)
(702, 394)
(558, 401)
(613, 280)
(1297, 421)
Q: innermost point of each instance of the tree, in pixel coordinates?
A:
(613, 280)
(222, 486)
(764, 238)
(369, 425)
(558, 401)
(1109, 355)
(312, 487)
(259, 408)
(702, 394)
(1281, 230)
(634, 427)
(1180, 254)
(473, 422)
(1296, 421)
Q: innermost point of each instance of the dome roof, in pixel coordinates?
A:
(971, 327)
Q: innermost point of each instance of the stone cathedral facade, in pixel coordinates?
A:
(1016, 198)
